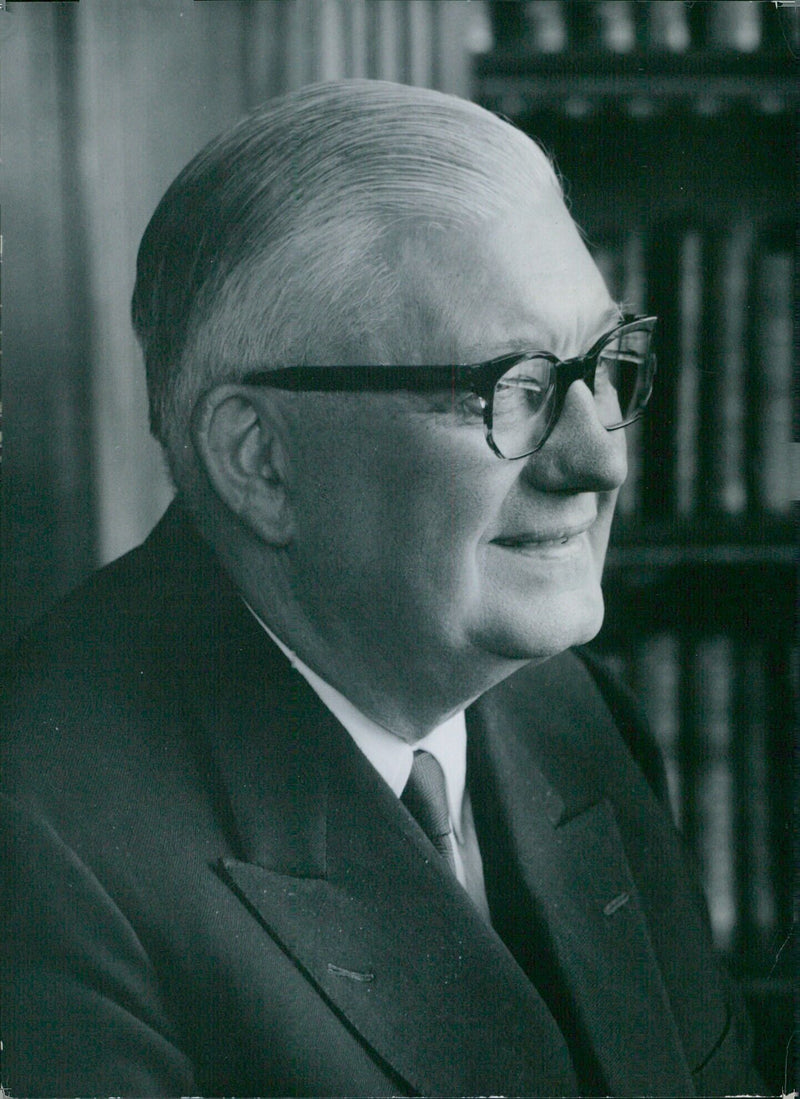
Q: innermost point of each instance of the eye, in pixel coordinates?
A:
(535, 387)
(522, 387)
(470, 404)
(610, 359)
(463, 403)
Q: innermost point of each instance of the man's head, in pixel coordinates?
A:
(366, 223)
(278, 243)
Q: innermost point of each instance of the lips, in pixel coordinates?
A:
(555, 536)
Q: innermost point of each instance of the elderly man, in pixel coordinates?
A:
(305, 796)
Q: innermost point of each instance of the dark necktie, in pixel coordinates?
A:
(425, 797)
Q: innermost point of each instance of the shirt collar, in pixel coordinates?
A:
(391, 756)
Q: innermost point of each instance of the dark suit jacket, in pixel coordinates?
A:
(209, 890)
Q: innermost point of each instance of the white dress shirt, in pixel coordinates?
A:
(392, 757)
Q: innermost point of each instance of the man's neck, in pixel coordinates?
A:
(399, 684)
(409, 696)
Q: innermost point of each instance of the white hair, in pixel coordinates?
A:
(273, 242)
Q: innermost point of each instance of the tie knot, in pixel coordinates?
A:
(425, 797)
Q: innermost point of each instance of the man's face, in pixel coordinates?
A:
(416, 546)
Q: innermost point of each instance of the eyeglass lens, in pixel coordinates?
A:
(525, 397)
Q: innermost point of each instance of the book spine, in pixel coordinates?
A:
(668, 27)
(621, 26)
(687, 399)
(757, 903)
(544, 26)
(728, 271)
(733, 25)
(773, 365)
(616, 28)
(713, 824)
(633, 295)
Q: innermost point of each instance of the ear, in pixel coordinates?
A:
(240, 440)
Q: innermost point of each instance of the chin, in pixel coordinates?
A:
(548, 629)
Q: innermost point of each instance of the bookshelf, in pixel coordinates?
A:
(673, 126)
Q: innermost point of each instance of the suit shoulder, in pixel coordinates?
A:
(91, 629)
(131, 606)
(90, 673)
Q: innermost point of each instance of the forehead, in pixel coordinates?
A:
(523, 279)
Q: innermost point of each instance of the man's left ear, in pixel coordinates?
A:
(240, 441)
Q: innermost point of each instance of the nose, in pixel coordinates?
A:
(580, 455)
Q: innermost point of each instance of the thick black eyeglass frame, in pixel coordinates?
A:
(477, 378)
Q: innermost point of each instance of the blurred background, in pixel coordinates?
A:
(672, 123)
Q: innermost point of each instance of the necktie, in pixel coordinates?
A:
(425, 797)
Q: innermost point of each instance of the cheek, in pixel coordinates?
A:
(436, 518)
(398, 518)
(421, 554)
(430, 487)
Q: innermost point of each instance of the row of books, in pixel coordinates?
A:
(623, 26)
(718, 434)
(719, 710)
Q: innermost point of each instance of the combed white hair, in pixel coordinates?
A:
(272, 247)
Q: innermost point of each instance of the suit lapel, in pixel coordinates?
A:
(396, 947)
(567, 876)
(340, 875)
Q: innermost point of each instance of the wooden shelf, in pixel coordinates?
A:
(677, 554)
(710, 541)
(514, 83)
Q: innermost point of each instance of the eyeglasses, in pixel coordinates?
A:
(521, 395)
